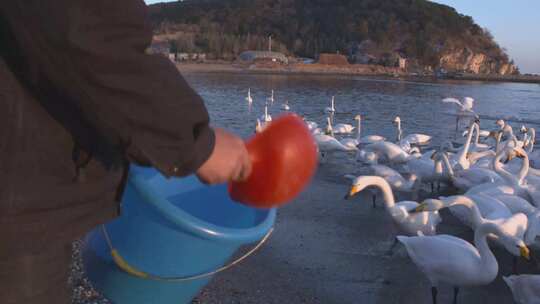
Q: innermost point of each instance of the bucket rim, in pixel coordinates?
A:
(195, 225)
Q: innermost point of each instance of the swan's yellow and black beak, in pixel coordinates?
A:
(524, 252)
(354, 189)
(420, 208)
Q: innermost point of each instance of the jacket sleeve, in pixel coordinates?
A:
(93, 52)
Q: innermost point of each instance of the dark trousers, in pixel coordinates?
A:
(37, 278)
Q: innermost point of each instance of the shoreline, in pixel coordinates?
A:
(327, 70)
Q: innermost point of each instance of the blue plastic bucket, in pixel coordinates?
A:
(169, 228)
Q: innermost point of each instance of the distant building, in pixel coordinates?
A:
(333, 59)
(253, 56)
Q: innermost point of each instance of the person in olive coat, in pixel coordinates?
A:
(79, 100)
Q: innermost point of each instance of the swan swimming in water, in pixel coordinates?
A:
(271, 98)
(266, 118)
(411, 139)
(390, 152)
(285, 106)
(249, 99)
(359, 140)
(332, 108)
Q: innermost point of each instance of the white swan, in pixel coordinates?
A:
(259, 128)
(271, 98)
(508, 132)
(327, 143)
(534, 155)
(461, 206)
(460, 161)
(266, 118)
(466, 179)
(525, 288)
(367, 157)
(408, 223)
(451, 260)
(311, 125)
(531, 140)
(477, 146)
(412, 139)
(510, 184)
(427, 170)
(332, 108)
(339, 128)
(359, 140)
(396, 180)
(249, 99)
(285, 106)
(526, 186)
(478, 209)
(390, 152)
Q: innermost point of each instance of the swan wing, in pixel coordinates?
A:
(417, 138)
(384, 171)
(454, 101)
(515, 225)
(515, 203)
(408, 205)
(369, 139)
(443, 258)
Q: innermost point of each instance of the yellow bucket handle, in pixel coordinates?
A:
(126, 267)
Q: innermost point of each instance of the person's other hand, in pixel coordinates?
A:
(228, 162)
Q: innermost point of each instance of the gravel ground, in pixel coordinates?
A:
(329, 250)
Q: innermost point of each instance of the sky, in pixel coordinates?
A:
(515, 24)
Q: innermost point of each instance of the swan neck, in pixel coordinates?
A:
(498, 142)
(447, 165)
(388, 196)
(465, 150)
(477, 135)
(497, 167)
(480, 240)
(359, 131)
(524, 170)
(531, 140)
(476, 216)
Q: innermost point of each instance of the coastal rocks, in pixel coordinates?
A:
(476, 63)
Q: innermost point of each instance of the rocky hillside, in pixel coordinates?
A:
(427, 34)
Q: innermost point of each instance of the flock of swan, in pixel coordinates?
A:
(496, 177)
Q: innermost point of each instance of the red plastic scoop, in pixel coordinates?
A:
(284, 160)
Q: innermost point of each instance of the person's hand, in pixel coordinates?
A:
(228, 162)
